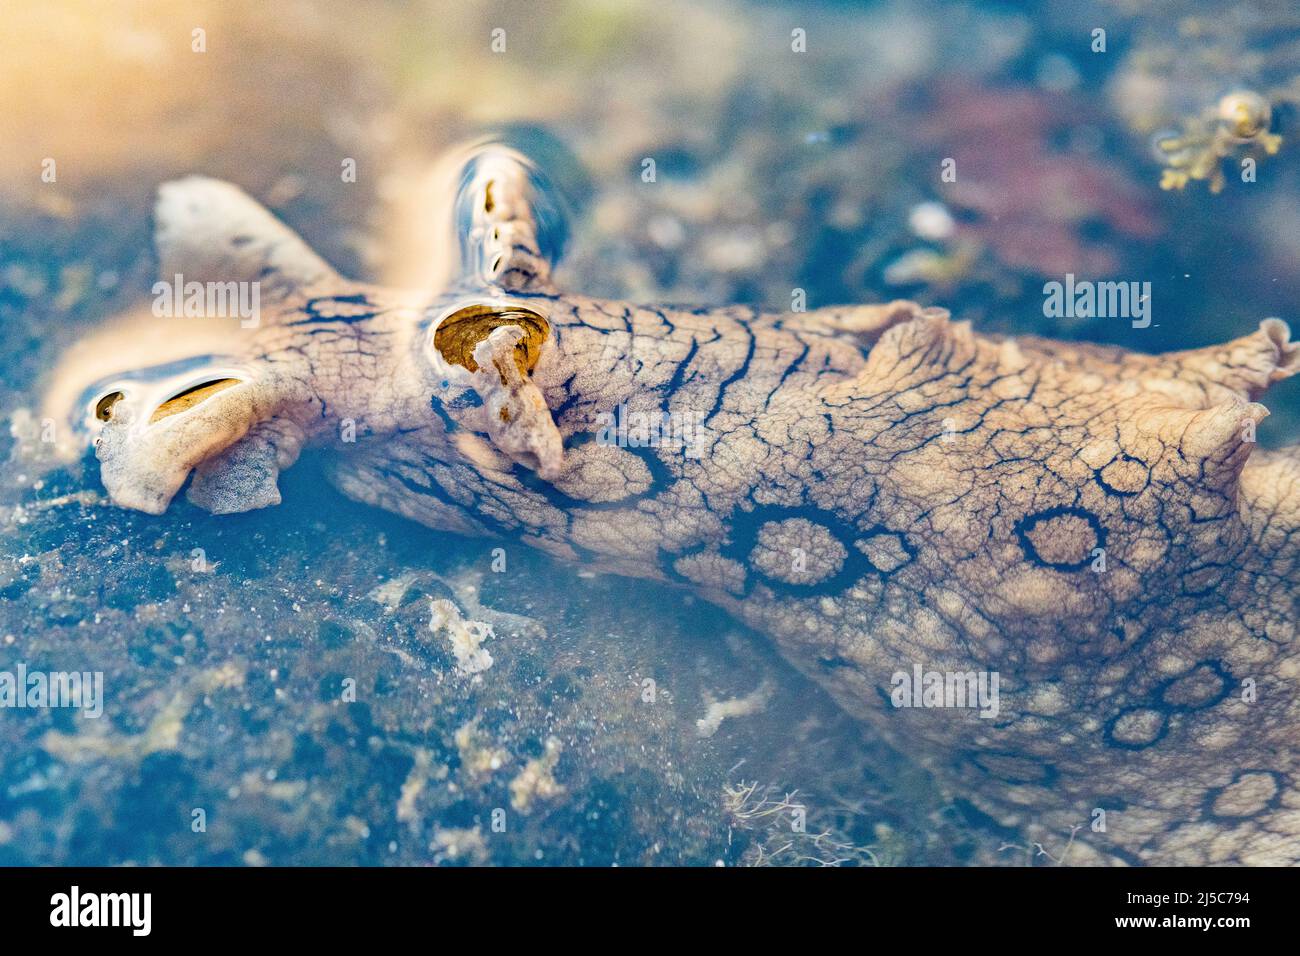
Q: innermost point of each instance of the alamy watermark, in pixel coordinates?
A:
(83, 690)
(656, 429)
(1085, 299)
(75, 908)
(216, 300)
(970, 689)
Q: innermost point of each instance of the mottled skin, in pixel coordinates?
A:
(874, 487)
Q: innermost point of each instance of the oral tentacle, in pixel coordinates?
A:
(144, 462)
(207, 230)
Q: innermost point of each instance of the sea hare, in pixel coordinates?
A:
(881, 490)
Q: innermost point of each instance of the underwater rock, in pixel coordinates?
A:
(1026, 198)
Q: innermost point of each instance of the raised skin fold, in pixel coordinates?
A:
(873, 487)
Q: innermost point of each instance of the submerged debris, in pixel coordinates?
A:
(1238, 123)
(535, 780)
(782, 836)
(459, 845)
(413, 786)
(720, 710)
(478, 757)
(163, 732)
(1207, 88)
(465, 637)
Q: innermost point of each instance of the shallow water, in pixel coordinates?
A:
(226, 641)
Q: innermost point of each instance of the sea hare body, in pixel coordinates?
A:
(880, 489)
